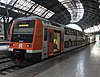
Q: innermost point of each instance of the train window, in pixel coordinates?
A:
(65, 44)
(66, 31)
(75, 33)
(51, 37)
(22, 30)
(46, 22)
(72, 32)
(75, 42)
(69, 43)
(69, 32)
(21, 27)
(72, 43)
(45, 34)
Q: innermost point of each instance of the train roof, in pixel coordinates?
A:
(26, 18)
(44, 20)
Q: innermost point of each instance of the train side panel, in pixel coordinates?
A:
(38, 36)
(62, 41)
(50, 42)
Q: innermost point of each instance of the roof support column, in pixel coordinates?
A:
(5, 32)
(6, 25)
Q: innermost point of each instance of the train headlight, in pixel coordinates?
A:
(29, 45)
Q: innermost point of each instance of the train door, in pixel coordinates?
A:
(45, 44)
(57, 42)
(62, 41)
(50, 42)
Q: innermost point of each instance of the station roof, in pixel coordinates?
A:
(91, 15)
(61, 11)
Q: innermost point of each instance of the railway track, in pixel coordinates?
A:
(8, 69)
(3, 54)
(7, 66)
(6, 59)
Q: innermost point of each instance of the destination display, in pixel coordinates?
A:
(23, 25)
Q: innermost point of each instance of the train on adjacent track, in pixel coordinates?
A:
(33, 38)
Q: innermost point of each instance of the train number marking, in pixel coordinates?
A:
(20, 45)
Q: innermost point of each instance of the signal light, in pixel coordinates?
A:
(13, 44)
(29, 45)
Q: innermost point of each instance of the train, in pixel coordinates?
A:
(33, 38)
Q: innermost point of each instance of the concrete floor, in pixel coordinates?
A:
(3, 47)
(79, 63)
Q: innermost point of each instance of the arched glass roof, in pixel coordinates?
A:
(35, 8)
(29, 6)
(75, 8)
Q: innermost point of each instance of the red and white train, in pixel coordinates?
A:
(33, 38)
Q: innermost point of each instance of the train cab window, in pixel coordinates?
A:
(22, 30)
(45, 34)
(21, 27)
(51, 37)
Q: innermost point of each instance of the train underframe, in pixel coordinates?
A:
(20, 57)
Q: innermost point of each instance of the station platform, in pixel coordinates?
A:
(3, 47)
(83, 62)
(4, 43)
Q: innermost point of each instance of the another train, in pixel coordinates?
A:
(33, 38)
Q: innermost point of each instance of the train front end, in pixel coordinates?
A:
(26, 41)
